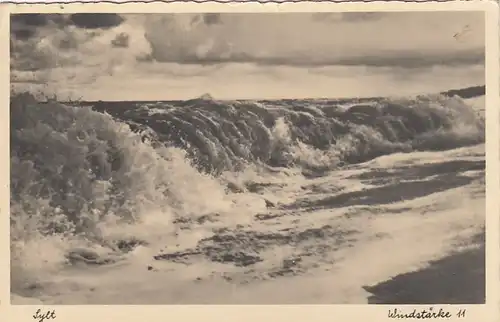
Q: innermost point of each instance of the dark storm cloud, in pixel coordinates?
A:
(45, 41)
(25, 26)
(30, 19)
(392, 59)
(96, 20)
(302, 40)
(413, 60)
(23, 34)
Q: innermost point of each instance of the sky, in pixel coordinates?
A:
(246, 55)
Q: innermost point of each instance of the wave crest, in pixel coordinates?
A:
(225, 135)
(73, 168)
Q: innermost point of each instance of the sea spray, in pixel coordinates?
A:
(102, 174)
(78, 177)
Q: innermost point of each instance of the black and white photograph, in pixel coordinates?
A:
(248, 158)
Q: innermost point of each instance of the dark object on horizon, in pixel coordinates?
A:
(468, 92)
(96, 20)
(206, 97)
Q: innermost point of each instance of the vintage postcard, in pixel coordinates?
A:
(216, 154)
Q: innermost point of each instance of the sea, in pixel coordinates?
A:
(206, 201)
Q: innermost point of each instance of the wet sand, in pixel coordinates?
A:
(456, 279)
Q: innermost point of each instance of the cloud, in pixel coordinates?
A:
(24, 26)
(94, 21)
(44, 43)
(27, 25)
(334, 17)
(121, 40)
(378, 39)
(211, 18)
(390, 59)
(34, 19)
(414, 60)
(88, 46)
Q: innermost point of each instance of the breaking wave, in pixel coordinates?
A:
(79, 173)
(220, 135)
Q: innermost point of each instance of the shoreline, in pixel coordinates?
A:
(458, 278)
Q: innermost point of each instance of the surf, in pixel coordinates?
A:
(97, 183)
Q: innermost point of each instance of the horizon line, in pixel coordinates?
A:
(464, 92)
